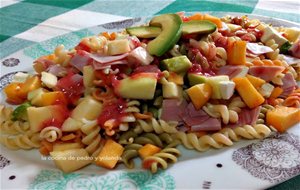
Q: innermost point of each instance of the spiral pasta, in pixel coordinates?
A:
(293, 100)
(7, 126)
(92, 138)
(130, 152)
(221, 111)
(220, 58)
(51, 134)
(224, 137)
(157, 126)
(162, 159)
(22, 141)
(96, 43)
(275, 54)
(262, 114)
(62, 56)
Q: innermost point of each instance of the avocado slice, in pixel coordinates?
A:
(198, 27)
(179, 64)
(190, 27)
(171, 32)
(144, 31)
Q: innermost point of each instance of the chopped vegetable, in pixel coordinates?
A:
(283, 118)
(148, 150)
(20, 111)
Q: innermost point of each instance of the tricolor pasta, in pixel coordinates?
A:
(206, 82)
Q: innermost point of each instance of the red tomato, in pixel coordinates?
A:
(72, 86)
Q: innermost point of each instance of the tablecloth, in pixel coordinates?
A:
(24, 23)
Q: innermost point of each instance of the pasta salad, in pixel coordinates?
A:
(199, 81)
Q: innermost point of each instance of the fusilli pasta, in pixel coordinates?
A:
(157, 126)
(22, 141)
(92, 138)
(162, 159)
(51, 133)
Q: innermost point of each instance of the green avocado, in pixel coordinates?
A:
(198, 27)
(179, 64)
(170, 25)
(196, 78)
(190, 27)
(144, 31)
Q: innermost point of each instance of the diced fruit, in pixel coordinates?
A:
(178, 64)
(88, 76)
(66, 146)
(270, 33)
(71, 160)
(236, 52)
(196, 78)
(148, 150)
(12, 92)
(176, 78)
(20, 77)
(70, 125)
(276, 92)
(171, 32)
(199, 94)
(198, 27)
(247, 91)
(283, 118)
(233, 27)
(214, 82)
(138, 86)
(35, 93)
(29, 85)
(51, 98)
(292, 34)
(88, 108)
(144, 31)
(266, 90)
(117, 47)
(226, 89)
(110, 154)
(171, 90)
(255, 81)
(20, 112)
(40, 117)
(49, 79)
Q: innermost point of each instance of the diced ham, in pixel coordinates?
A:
(289, 84)
(191, 116)
(81, 59)
(248, 116)
(211, 124)
(42, 64)
(99, 66)
(291, 60)
(257, 49)
(295, 49)
(57, 70)
(265, 72)
(107, 59)
(172, 109)
(232, 71)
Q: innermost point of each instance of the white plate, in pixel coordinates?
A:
(246, 165)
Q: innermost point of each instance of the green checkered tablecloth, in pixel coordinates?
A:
(24, 23)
